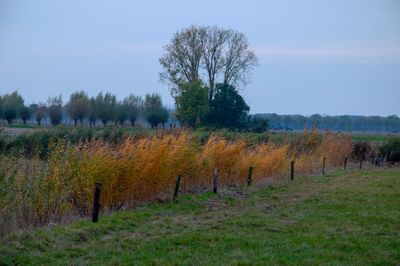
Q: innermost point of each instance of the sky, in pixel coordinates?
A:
(330, 57)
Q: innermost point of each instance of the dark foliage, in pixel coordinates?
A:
(362, 150)
(228, 108)
(38, 142)
(391, 150)
(257, 124)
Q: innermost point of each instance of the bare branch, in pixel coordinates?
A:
(221, 55)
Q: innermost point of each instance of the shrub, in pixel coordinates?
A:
(391, 150)
(361, 150)
(37, 143)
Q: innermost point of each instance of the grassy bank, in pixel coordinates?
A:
(342, 218)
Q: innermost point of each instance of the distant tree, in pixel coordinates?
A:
(78, 106)
(41, 112)
(106, 107)
(92, 112)
(393, 123)
(33, 108)
(193, 104)
(12, 104)
(134, 107)
(258, 124)
(1, 107)
(228, 108)
(344, 122)
(391, 150)
(121, 113)
(55, 110)
(25, 114)
(155, 112)
(314, 121)
(10, 114)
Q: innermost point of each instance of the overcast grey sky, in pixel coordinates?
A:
(316, 56)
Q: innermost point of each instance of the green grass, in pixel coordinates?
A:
(23, 126)
(339, 219)
(373, 137)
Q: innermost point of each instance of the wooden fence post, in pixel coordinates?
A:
(345, 163)
(249, 176)
(96, 202)
(292, 170)
(323, 165)
(178, 183)
(215, 180)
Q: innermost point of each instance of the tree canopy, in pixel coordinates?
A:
(12, 104)
(220, 55)
(154, 110)
(134, 107)
(105, 106)
(193, 105)
(78, 106)
(228, 108)
(55, 110)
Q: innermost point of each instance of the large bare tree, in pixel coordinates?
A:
(182, 59)
(210, 54)
(213, 55)
(239, 60)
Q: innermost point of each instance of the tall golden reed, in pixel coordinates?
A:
(34, 192)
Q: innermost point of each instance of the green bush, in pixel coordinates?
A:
(391, 150)
(37, 143)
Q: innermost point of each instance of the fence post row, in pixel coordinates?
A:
(96, 202)
(215, 180)
(345, 163)
(249, 180)
(178, 183)
(292, 170)
(323, 165)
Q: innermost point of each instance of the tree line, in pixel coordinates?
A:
(203, 67)
(104, 107)
(340, 123)
(227, 110)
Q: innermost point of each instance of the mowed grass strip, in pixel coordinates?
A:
(339, 219)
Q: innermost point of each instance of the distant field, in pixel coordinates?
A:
(373, 137)
(274, 136)
(340, 219)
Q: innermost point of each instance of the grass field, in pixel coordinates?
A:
(340, 219)
(380, 138)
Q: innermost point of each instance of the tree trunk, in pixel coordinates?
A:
(211, 92)
(75, 122)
